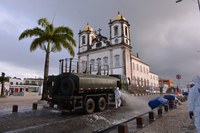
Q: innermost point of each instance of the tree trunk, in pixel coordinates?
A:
(2, 88)
(46, 72)
(2, 83)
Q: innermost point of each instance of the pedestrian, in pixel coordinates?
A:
(161, 90)
(117, 98)
(194, 102)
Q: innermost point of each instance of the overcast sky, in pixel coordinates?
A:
(165, 34)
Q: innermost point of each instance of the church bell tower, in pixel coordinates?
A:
(119, 30)
(85, 38)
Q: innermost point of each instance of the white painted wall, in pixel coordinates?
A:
(153, 79)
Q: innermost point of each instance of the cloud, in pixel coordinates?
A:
(165, 34)
(19, 71)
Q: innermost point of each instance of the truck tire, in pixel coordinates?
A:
(89, 106)
(67, 87)
(101, 104)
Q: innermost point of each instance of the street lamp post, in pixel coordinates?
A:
(197, 2)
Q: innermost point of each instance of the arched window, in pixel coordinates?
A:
(142, 82)
(99, 62)
(145, 82)
(83, 66)
(133, 66)
(134, 81)
(83, 39)
(92, 64)
(126, 31)
(117, 61)
(105, 63)
(138, 81)
(116, 30)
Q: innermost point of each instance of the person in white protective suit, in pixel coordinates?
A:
(194, 102)
(117, 98)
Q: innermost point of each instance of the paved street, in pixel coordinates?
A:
(21, 101)
(47, 120)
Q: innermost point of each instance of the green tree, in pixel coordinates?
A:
(2, 80)
(50, 39)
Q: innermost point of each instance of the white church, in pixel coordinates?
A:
(113, 55)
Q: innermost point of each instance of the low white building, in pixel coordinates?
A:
(153, 80)
(33, 81)
(16, 81)
(17, 86)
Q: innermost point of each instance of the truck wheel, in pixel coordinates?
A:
(101, 104)
(89, 106)
(67, 87)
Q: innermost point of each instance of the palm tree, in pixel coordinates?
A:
(50, 39)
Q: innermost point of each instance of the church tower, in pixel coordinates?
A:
(85, 38)
(121, 43)
(119, 30)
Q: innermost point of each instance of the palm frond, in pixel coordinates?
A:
(57, 41)
(69, 47)
(38, 42)
(43, 47)
(56, 47)
(63, 30)
(65, 33)
(71, 40)
(43, 22)
(31, 32)
(50, 31)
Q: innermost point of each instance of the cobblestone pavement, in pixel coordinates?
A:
(45, 120)
(174, 121)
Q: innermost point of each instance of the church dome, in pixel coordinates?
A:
(119, 17)
(88, 27)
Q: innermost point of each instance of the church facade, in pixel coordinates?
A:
(102, 55)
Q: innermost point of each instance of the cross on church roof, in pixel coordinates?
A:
(99, 30)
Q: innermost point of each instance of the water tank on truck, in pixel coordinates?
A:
(78, 91)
